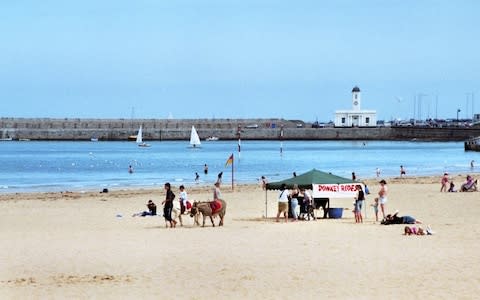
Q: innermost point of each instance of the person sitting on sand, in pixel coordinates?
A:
(470, 185)
(152, 210)
(394, 219)
(452, 188)
(217, 194)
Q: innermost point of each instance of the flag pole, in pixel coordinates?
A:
(233, 161)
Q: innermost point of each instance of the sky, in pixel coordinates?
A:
(295, 60)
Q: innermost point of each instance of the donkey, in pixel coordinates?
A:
(210, 209)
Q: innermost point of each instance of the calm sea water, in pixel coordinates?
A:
(61, 166)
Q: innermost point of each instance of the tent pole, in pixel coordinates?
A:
(266, 204)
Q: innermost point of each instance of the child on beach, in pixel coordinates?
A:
(444, 182)
(375, 208)
(452, 188)
(417, 231)
(413, 230)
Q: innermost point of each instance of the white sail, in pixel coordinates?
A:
(194, 138)
(139, 135)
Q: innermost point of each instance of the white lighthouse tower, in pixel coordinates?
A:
(356, 98)
(356, 117)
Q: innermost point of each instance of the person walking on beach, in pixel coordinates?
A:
(359, 200)
(402, 171)
(444, 182)
(377, 172)
(382, 196)
(264, 182)
(219, 177)
(168, 205)
(283, 202)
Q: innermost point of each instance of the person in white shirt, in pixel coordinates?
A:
(283, 202)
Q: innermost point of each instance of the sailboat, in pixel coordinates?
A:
(194, 138)
(139, 140)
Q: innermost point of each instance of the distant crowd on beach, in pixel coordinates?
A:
(297, 203)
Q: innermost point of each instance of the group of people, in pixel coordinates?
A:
(174, 209)
(297, 201)
(205, 172)
(470, 185)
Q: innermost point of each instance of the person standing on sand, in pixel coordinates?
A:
(382, 196)
(283, 202)
(444, 182)
(168, 205)
(402, 171)
(359, 200)
(377, 172)
(294, 201)
(375, 208)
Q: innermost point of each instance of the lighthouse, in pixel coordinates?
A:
(356, 117)
(356, 98)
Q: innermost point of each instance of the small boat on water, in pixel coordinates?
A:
(472, 144)
(6, 139)
(194, 138)
(139, 139)
(94, 139)
(212, 138)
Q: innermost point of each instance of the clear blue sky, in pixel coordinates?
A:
(246, 59)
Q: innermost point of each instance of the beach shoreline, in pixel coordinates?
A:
(87, 245)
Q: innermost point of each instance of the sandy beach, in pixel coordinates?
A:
(87, 245)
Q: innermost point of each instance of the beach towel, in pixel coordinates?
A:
(216, 206)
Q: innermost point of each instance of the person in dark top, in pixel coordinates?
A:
(394, 219)
(152, 210)
(205, 169)
(219, 177)
(359, 200)
(168, 205)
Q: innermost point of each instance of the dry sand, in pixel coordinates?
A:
(73, 245)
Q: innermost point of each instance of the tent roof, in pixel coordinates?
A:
(306, 180)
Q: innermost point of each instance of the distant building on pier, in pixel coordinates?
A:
(356, 117)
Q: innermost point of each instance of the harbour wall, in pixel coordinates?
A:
(224, 129)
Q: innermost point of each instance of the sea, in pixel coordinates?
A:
(50, 166)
